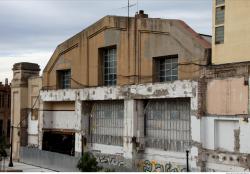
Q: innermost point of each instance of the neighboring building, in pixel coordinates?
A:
(225, 122)
(127, 93)
(25, 87)
(231, 28)
(5, 110)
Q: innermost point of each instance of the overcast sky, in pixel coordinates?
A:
(30, 30)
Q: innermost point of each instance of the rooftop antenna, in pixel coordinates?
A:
(128, 8)
(137, 6)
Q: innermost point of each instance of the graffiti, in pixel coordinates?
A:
(110, 160)
(154, 166)
(209, 170)
(147, 166)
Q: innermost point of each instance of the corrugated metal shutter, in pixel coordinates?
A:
(167, 124)
(107, 123)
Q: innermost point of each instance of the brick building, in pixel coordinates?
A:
(5, 101)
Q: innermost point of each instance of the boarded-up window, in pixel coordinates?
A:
(220, 15)
(167, 124)
(107, 123)
(219, 35)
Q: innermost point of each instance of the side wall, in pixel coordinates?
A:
(236, 35)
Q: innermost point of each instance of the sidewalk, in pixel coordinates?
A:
(23, 167)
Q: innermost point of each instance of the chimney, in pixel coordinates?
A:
(141, 14)
(6, 82)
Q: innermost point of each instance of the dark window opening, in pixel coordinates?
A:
(64, 79)
(59, 142)
(8, 129)
(166, 68)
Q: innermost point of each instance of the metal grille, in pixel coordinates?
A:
(168, 124)
(109, 57)
(107, 123)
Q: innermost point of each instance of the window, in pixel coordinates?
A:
(2, 100)
(220, 14)
(64, 79)
(1, 128)
(109, 66)
(166, 68)
(219, 2)
(8, 128)
(219, 35)
(219, 21)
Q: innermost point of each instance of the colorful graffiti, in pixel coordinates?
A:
(154, 166)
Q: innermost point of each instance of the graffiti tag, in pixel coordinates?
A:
(154, 166)
(110, 160)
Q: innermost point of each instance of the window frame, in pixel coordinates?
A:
(218, 41)
(219, 20)
(166, 75)
(219, 2)
(61, 79)
(108, 66)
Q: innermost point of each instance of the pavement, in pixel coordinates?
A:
(17, 166)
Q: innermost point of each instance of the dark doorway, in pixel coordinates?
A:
(60, 142)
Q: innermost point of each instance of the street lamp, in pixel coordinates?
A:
(11, 147)
(187, 154)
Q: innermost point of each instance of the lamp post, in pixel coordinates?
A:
(11, 147)
(187, 160)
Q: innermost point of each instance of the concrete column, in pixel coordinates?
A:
(78, 128)
(42, 107)
(130, 122)
(40, 125)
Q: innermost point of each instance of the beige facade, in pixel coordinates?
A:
(23, 95)
(235, 47)
(146, 39)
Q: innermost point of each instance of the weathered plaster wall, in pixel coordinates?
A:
(34, 86)
(148, 38)
(59, 120)
(133, 123)
(225, 143)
